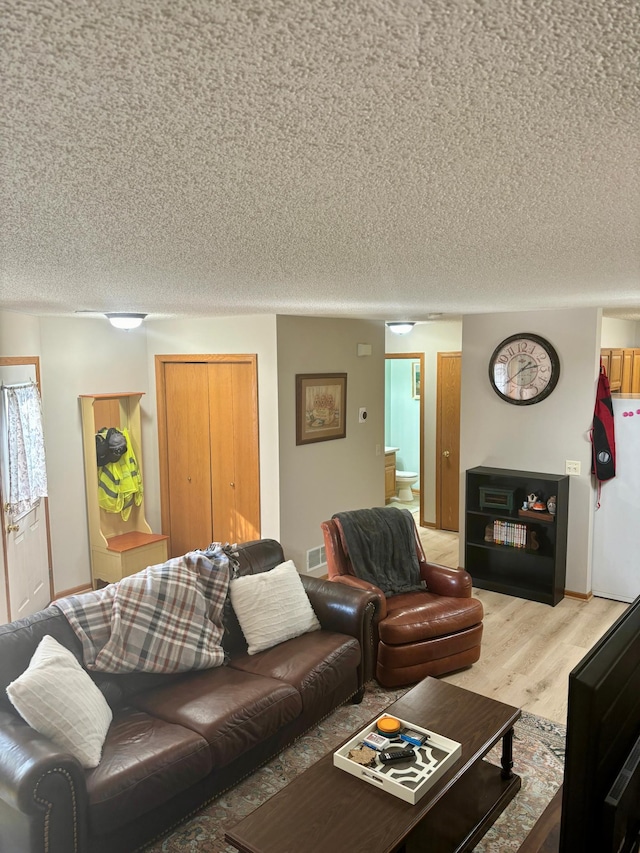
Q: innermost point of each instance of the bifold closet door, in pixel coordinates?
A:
(188, 457)
(233, 426)
(212, 459)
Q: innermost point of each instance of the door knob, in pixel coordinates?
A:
(233, 485)
(446, 453)
(13, 528)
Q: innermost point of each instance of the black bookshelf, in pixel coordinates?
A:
(533, 564)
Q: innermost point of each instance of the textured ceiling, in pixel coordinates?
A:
(373, 158)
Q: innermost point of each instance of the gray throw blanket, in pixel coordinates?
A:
(381, 546)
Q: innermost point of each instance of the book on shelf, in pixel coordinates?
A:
(510, 533)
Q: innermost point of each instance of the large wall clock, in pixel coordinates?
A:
(524, 369)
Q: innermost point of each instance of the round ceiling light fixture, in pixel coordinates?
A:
(400, 327)
(125, 319)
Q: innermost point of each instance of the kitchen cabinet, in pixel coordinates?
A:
(623, 369)
(389, 474)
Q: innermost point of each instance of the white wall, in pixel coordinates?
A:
(429, 338)
(221, 335)
(539, 437)
(319, 479)
(620, 333)
(81, 355)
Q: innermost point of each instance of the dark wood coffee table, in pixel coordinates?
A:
(327, 810)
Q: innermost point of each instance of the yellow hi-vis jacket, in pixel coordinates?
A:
(120, 483)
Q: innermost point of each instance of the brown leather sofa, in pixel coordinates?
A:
(176, 741)
(416, 634)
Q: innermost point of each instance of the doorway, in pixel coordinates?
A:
(406, 400)
(26, 540)
(208, 449)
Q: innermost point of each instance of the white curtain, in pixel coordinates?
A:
(25, 445)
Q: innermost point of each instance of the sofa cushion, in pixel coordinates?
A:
(145, 762)
(232, 710)
(315, 664)
(272, 607)
(57, 698)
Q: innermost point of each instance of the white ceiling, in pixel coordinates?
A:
(372, 158)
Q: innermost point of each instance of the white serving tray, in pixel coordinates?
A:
(407, 781)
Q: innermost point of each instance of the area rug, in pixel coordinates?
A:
(538, 759)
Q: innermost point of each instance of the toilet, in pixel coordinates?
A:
(404, 481)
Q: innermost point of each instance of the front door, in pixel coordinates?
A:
(26, 543)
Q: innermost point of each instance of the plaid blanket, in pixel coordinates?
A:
(166, 618)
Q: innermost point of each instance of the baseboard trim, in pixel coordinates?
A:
(76, 590)
(582, 596)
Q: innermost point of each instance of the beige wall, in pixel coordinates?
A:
(429, 338)
(81, 355)
(540, 437)
(620, 333)
(86, 356)
(319, 479)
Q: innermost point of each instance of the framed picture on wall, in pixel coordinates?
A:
(415, 380)
(321, 406)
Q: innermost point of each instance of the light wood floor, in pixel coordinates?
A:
(528, 649)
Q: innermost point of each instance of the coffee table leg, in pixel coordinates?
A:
(507, 755)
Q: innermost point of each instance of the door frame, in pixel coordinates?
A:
(161, 403)
(417, 356)
(32, 361)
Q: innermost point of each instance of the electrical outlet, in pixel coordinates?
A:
(571, 467)
(362, 414)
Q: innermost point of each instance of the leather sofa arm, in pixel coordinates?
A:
(443, 580)
(43, 794)
(346, 610)
(358, 583)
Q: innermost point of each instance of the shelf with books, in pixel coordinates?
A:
(516, 551)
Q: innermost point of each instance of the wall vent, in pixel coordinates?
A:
(317, 561)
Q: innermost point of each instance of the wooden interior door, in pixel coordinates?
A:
(208, 444)
(448, 441)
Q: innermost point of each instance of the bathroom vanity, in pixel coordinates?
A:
(390, 472)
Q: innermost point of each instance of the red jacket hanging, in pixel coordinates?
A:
(603, 464)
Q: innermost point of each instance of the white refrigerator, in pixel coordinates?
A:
(616, 532)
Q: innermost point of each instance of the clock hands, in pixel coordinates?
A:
(528, 366)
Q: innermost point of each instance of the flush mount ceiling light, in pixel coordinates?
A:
(400, 327)
(125, 320)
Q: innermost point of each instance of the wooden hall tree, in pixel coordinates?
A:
(208, 448)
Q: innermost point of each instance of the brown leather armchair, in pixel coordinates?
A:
(418, 633)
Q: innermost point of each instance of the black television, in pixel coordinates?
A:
(601, 788)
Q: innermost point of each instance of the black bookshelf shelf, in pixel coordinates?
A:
(535, 571)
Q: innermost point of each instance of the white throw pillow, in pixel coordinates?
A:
(272, 607)
(57, 698)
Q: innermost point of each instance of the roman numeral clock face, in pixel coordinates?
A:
(524, 369)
